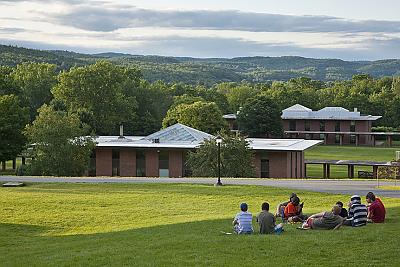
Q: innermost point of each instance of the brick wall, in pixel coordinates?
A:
(345, 127)
(127, 162)
(175, 163)
(278, 164)
(363, 126)
(152, 169)
(103, 161)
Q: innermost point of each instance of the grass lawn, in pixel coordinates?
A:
(346, 153)
(175, 225)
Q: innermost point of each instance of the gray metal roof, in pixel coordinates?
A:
(179, 136)
(178, 132)
(328, 113)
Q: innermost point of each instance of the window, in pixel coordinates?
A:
(337, 138)
(352, 126)
(308, 136)
(264, 168)
(307, 125)
(140, 164)
(292, 125)
(352, 139)
(115, 162)
(337, 126)
(322, 126)
(163, 164)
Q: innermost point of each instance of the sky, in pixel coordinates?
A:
(344, 29)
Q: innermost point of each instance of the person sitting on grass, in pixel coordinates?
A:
(343, 211)
(242, 223)
(266, 221)
(325, 220)
(293, 211)
(357, 213)
(281, 206)
(376, 209)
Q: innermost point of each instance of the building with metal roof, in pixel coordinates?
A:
(163, 153)
(298, 112)
(334, 125)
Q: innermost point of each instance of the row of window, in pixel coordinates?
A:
(307, 126)
(337, 138)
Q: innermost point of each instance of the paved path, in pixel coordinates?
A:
(349, 187)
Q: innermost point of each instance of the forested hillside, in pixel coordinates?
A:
(211, 70)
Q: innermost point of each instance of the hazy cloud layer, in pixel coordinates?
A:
(113, 18)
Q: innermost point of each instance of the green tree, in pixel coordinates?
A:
(35, 81)
(13, 119)
(7, 84)
(103, 95)
(236, 158)
(238, 94)
(204, 116)
(60, 145)
(260, 117)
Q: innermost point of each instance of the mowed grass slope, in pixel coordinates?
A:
(175, 225)
(363, 153)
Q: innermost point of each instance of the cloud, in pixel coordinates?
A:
(113, 17)
(6, 30)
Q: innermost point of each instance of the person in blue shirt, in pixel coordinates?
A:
(242, 223)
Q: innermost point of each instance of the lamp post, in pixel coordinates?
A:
(218, 139)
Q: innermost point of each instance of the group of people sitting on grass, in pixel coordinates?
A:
(292, 212)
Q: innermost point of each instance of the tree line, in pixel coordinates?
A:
(51, 109)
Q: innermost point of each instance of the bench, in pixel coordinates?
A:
(365, 174)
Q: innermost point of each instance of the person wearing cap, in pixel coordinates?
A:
(242, 223)
(325, 220)
(376, 209)
(357, 212)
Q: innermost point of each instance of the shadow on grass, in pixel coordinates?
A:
(200, 243)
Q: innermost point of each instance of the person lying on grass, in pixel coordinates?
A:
(326, 220)
(357, 213)
(376, 209)
(281, 206)
(266, 221)
(242, 223)
(293, 211)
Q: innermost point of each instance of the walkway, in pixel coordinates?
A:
(348, 187)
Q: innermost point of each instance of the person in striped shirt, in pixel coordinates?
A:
(242, 223)
(357, 213)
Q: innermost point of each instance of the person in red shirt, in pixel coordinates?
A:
(293, 211)
(376, 209)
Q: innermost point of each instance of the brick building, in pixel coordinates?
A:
(163, 154)
(334, 125)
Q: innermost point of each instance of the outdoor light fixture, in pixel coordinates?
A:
(218, 139)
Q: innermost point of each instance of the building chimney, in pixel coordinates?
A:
(355, 110)
(121, 131)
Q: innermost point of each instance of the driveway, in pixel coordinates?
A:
(349, 187)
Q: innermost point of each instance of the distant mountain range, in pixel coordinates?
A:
(211, 70)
